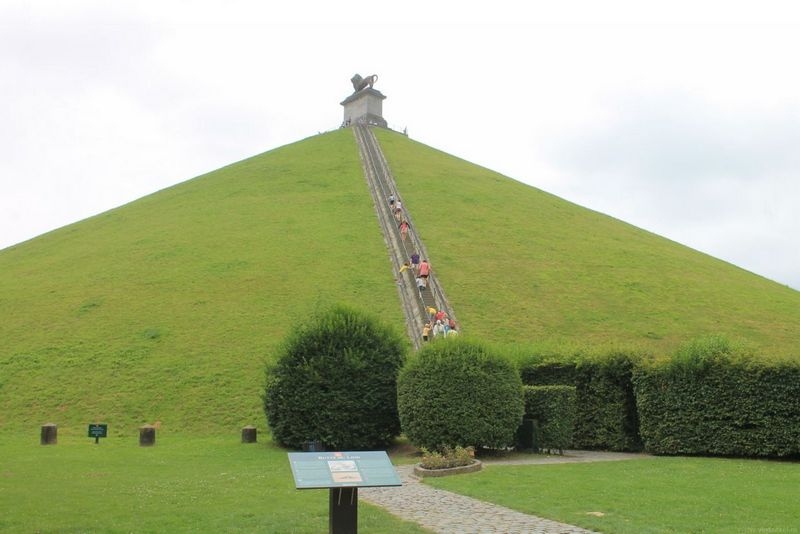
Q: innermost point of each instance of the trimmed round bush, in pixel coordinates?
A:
(334, 381)
(456, 393)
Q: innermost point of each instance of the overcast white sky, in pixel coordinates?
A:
(680, 117)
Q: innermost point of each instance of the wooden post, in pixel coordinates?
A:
(49, 434)
(147, 436)
(249, 434)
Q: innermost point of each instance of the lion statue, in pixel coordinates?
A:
(360, 83)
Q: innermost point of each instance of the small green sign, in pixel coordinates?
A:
(342, 469)
(97, 431)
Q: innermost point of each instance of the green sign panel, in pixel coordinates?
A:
(361, 469)
(98, 430)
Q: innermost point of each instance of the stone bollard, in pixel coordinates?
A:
(49, 434)
(147, 436)
(249, 434)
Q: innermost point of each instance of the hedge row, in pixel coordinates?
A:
(340, 380)
(710, 398)
(549, 418)
(605, 413)
(607, 417)
(715, 402)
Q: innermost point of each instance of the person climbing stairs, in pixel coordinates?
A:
(392, 211)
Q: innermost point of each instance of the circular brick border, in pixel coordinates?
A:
(421, 472)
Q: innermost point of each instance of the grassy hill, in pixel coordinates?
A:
(166, 308)
(519, 264)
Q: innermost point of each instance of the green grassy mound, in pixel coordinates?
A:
(166, 308)
(521, 265)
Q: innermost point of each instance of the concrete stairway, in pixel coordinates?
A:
(382, 185)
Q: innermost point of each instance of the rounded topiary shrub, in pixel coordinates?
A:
(334, 381)
(456, 393)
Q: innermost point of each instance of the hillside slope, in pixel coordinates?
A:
(519, 264)
(166, 308)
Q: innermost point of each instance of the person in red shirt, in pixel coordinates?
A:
(424, 269)
(403, 229)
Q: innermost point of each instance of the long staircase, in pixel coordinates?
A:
(416, 302)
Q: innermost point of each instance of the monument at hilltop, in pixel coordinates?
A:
(365, 105)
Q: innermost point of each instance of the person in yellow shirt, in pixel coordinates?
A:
(431, 311)
(426, 331)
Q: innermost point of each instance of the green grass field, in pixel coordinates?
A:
(186, 484)
(654, 495)
(179, 485)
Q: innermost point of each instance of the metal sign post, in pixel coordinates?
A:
(343, 511)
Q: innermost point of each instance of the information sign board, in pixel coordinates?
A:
(361, 469)
(97, 431)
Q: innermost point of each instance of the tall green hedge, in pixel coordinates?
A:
(713, 399)
(551, 410)
(547, 373)
(606, 417)
(456, 392)
(334, 381)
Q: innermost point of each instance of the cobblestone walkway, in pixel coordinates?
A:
(449, 513)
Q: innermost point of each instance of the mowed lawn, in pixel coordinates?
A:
(189, 484)
(651, 495)
(179, 485)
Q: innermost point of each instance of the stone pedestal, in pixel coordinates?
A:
(49, 434)
(249, 434)
(364, 107)
(147, 436)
